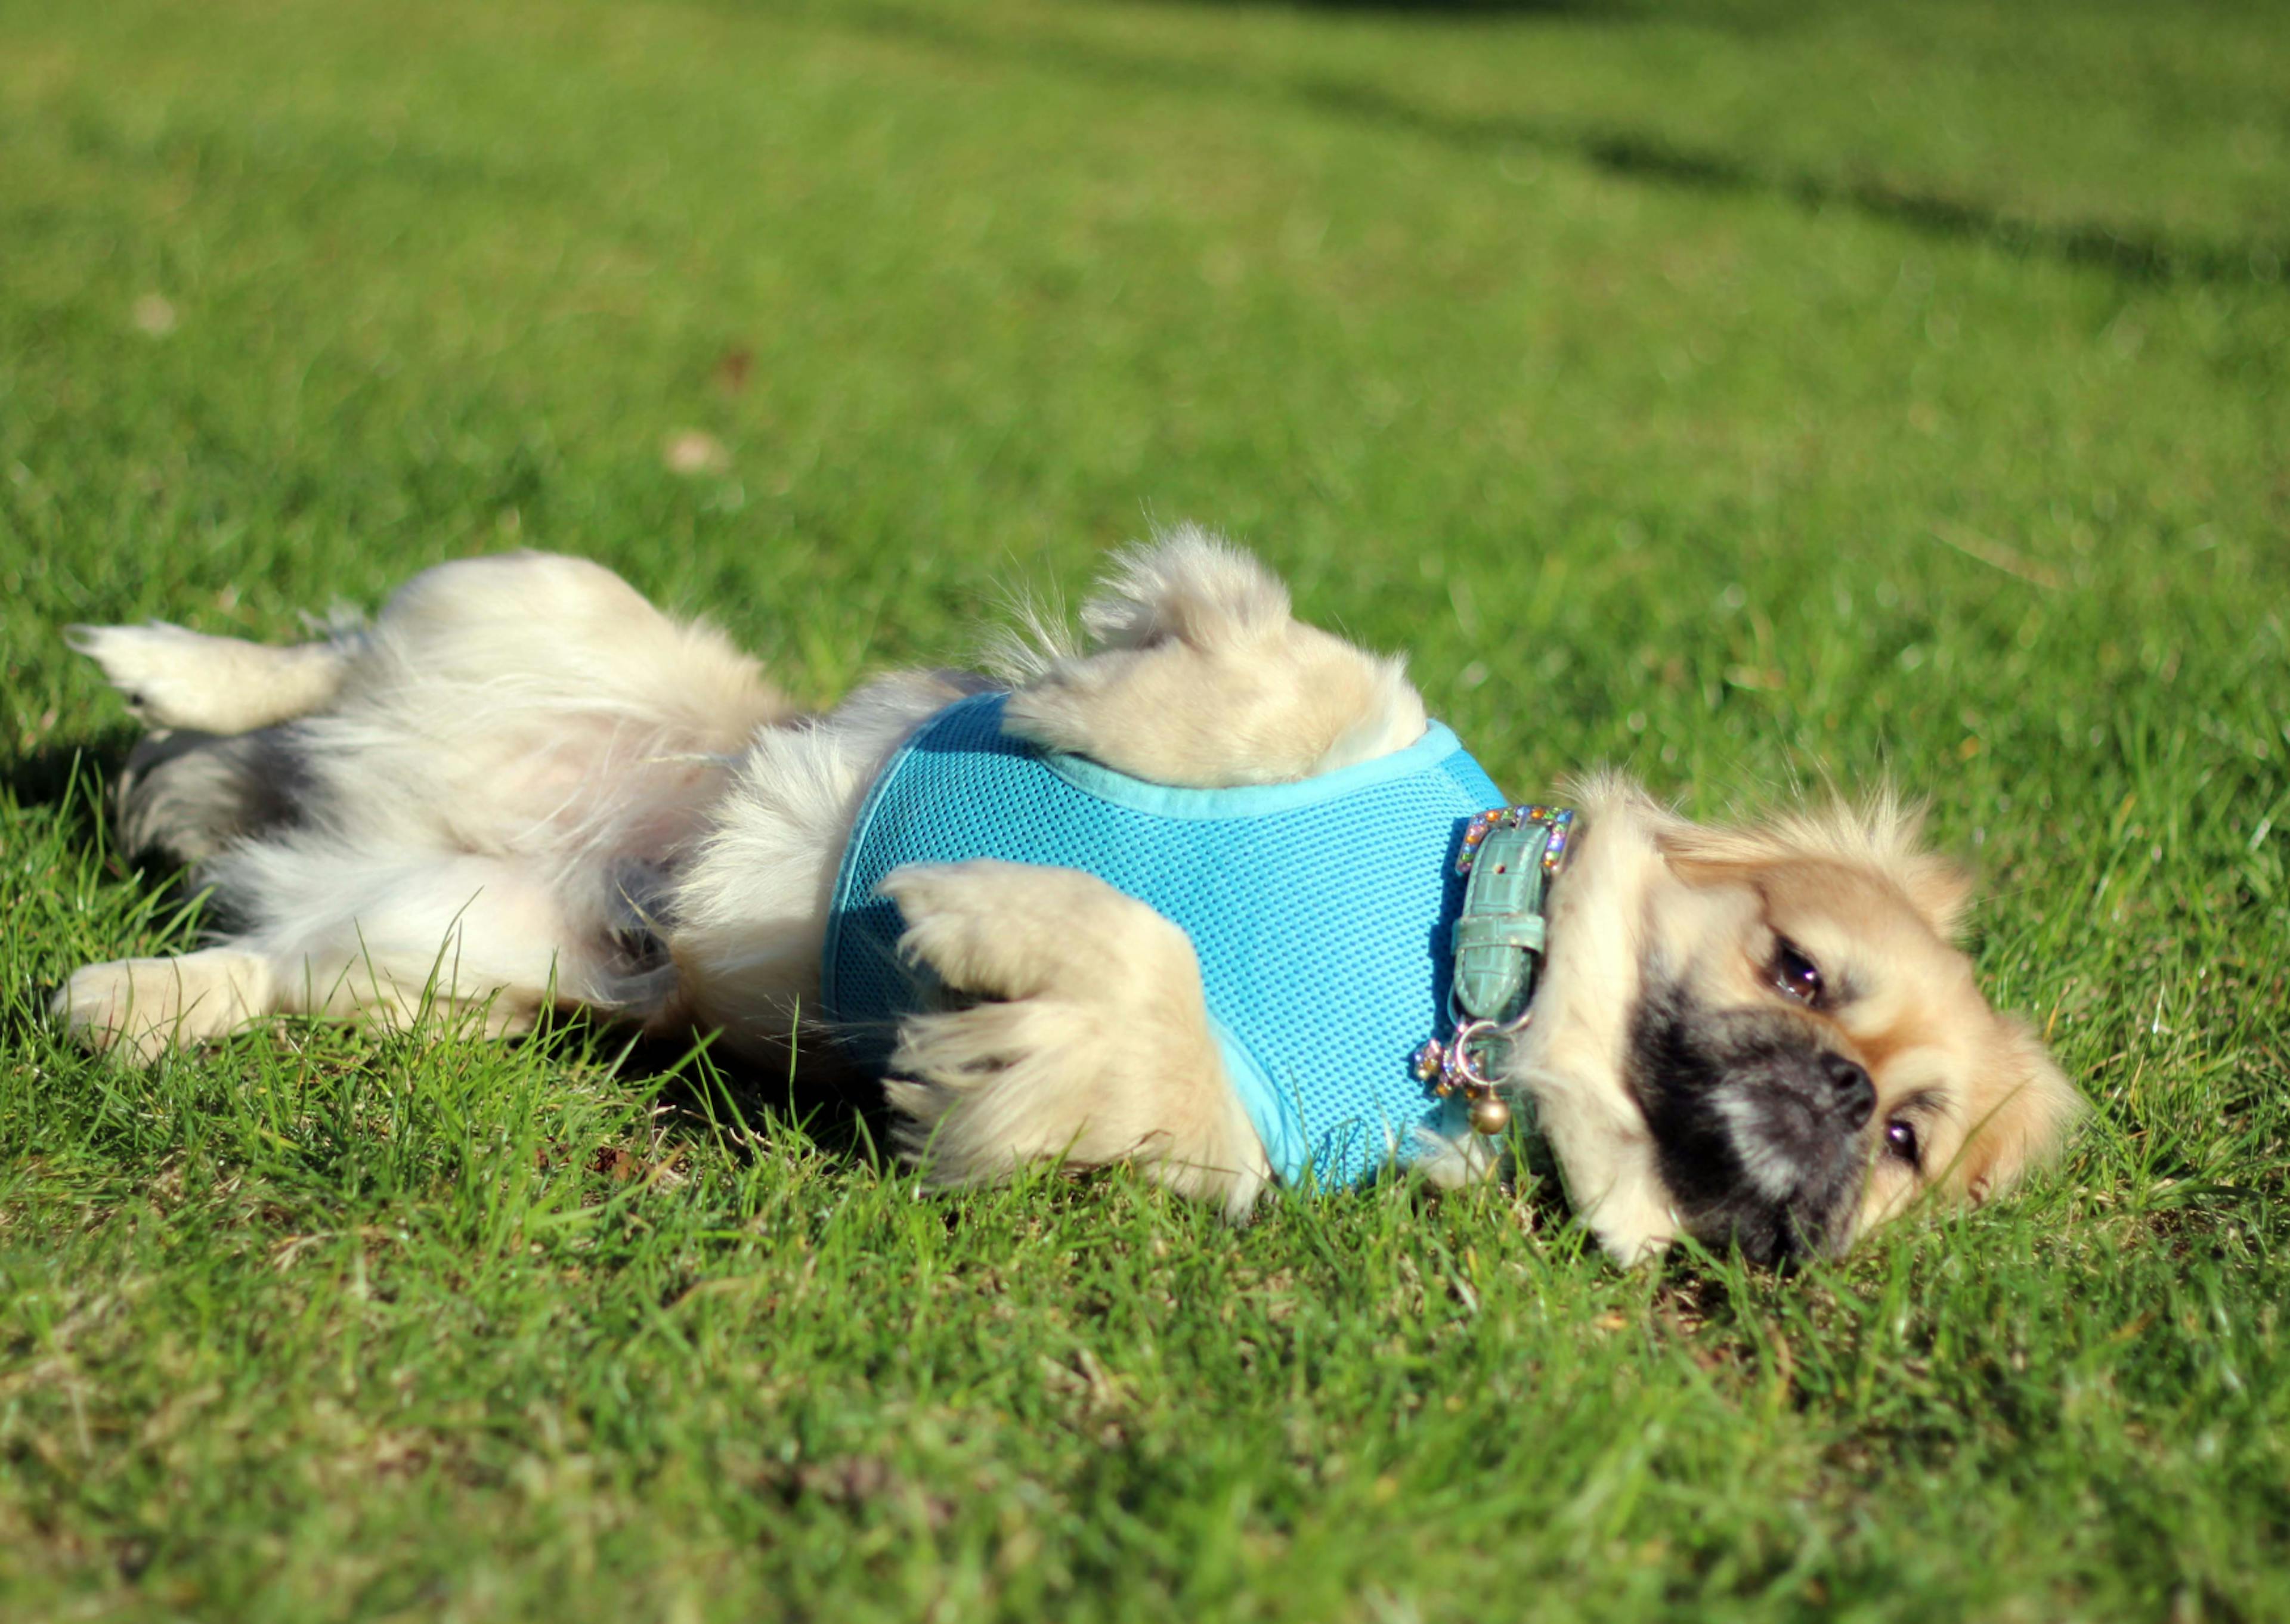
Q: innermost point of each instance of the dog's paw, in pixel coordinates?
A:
(1012, 930)
(1189, 585)
(174, 677)
(138, 1009)
(1201, 677)
(1094, 1048)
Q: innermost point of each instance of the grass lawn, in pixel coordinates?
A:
(1748, 392)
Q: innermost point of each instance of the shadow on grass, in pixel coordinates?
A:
(73, 781)
(830, 1102)
(2133, 254)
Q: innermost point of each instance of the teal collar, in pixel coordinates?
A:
(1510, 856)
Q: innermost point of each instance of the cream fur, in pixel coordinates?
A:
(749, 908)
(522, 783)
(1198, 674)
(1569, 1060)
(1095, 1047)
(177, 679)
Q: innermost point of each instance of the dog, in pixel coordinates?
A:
(523, 786)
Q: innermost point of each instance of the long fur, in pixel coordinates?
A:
(521, 783)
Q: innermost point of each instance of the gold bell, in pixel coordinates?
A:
(1489, 1116)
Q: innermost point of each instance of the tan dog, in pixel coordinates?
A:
(523, 783)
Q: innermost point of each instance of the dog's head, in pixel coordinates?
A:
(1763, 1036)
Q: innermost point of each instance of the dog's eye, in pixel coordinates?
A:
(1901, 1141)
(1796, 974)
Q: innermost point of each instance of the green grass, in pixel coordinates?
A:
(1747, 393)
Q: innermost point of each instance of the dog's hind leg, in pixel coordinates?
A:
(478, 635)
(1094, 1047)
(173, 678)
(379, 938)
(143, 1007)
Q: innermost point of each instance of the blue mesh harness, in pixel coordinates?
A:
(1321, 911)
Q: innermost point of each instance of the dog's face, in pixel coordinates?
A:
(1800, 1051)
(1810, 1054)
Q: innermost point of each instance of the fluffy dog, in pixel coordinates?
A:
(522, 785)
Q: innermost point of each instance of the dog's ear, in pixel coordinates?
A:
(2023, 1108)
(1882, 835)
(1940, 889)
(1889, 834)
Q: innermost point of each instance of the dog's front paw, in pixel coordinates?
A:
(1018, 930)
(1200, 676)
(1094, 1046)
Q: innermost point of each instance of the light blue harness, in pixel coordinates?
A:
(1321, 912)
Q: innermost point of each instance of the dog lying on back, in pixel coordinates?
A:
(522, 785)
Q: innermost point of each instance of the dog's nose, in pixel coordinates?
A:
(1856, 1096)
